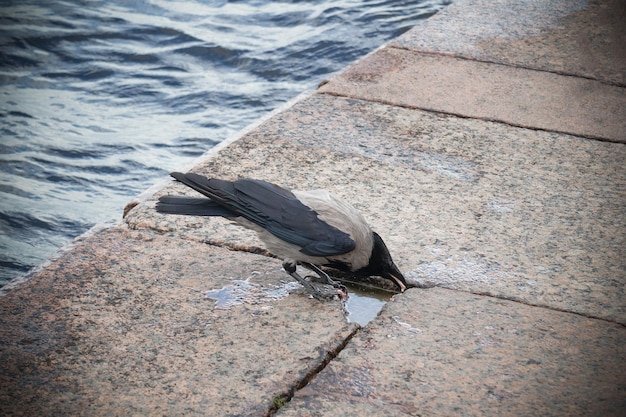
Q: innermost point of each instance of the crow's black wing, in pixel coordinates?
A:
(275, 209)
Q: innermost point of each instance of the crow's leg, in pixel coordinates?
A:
(290, 266)
(325, 277)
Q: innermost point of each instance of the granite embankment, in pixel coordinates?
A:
(487, 145)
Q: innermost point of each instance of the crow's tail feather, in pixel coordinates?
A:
(191, 206)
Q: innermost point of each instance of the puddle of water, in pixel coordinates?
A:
(363, 305)
(244, 291)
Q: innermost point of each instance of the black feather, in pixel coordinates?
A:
(191, 206)
(275, 209)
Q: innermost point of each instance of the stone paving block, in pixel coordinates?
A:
(517, 96)
(439, 352)
(120, 326)
(578, 37)
(467, 204)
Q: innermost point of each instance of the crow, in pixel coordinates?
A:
(308, 228)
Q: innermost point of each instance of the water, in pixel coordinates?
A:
(361, 306)
(99, 99)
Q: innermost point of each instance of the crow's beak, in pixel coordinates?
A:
(394, 274)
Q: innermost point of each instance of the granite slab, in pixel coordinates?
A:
(120, 326)
(440, 352)
(480, 90)
(576, 37)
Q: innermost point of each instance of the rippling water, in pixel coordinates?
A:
(100, 99)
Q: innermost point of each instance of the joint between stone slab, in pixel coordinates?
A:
(329, 355)
(255, 250)
(506, 64)
(525, 302)
(485, 119)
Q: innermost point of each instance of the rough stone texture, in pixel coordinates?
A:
(443, 353)
(467, 204)
(120, 326)
(517, 96)
(579, 37)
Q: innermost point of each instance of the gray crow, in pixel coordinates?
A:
(308, 228)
